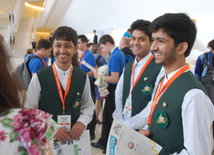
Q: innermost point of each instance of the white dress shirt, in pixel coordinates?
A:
(197, 117)
(87, 105)
(118, 113)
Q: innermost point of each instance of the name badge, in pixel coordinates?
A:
(65, 121)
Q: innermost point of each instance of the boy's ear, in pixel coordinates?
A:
(182, 47)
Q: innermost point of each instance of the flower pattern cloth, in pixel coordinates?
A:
(26, 131)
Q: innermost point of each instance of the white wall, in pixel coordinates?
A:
(87, 15)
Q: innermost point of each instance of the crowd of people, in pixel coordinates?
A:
(154, 92)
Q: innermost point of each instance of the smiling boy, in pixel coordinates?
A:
(62, 89)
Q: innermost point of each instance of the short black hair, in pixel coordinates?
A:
(83, 38)
(211, 44)
(89, 44)
(178, 26)
(142, 25)
(65, 33)
(44, 43)
(106, 38)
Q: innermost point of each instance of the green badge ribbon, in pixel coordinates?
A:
(161, 119)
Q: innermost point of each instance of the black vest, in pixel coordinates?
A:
(170, 137)
(50, 101)
(139, 99)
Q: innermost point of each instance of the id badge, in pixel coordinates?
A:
(127, 109)
(65, 121)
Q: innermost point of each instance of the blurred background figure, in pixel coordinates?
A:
(127, 33)
(29, 54)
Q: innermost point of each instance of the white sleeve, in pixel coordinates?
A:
(33, 93)
(87, 107)
(118, 113)
(140, 120)
(197, 118)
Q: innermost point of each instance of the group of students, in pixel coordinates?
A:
(156, 93)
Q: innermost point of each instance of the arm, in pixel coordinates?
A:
(86, 112)
(90, 73)
(118, 113)
(33, 93)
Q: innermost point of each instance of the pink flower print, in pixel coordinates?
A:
(33, 150)
(2, 136)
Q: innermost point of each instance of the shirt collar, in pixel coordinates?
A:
(142, 61)
(62, 72)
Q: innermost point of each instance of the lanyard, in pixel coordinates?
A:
(82, 55)
(141, 72)
(62, 98)
(44, 63)
(161, 89)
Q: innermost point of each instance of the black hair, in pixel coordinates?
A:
(89, 44)
(178, 26)
(65, 33)
(211, 44)
(106, 38)
(142, 25)
(83, 38)
(44, 43)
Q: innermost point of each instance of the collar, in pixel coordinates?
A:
(113, 50)
(62, 72)
(142, 61)
(167, 77)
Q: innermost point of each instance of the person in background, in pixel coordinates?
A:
(96, 50)
(201, 67)
(127, 33)
(115, 65)
(43, 51)
(89, 58)
(90, 46)
(95, 40)
(33, 45)
(125, 48)
(180, 116)
(62, 89)
(22, 131)
(29, 54)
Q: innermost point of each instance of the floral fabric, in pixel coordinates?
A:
(26, 131)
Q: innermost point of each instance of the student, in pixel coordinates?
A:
(201, 68)
(89, 58)
(43, 51)
(180, 115)
(137, 82)
(115, 64)
(22, 131)
(62, 89)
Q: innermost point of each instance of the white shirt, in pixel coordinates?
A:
(197, 117)
(118, 113)
(87, 107)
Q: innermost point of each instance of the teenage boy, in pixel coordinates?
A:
(62, 89)
(137, 82)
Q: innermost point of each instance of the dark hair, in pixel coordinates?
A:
(89, 44)
(106, 38)
(44, 43)
(65, 33)
(83, 38)
(95, 48)
(95, 31)
(142, 25)
(178, 26)
(30, 51)
(11, 95)
(75, 60)
(211, 44)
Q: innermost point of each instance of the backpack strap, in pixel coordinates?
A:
(27, 62)
(205, 60)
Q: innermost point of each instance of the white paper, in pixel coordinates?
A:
(76, 147)
(126, 141)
